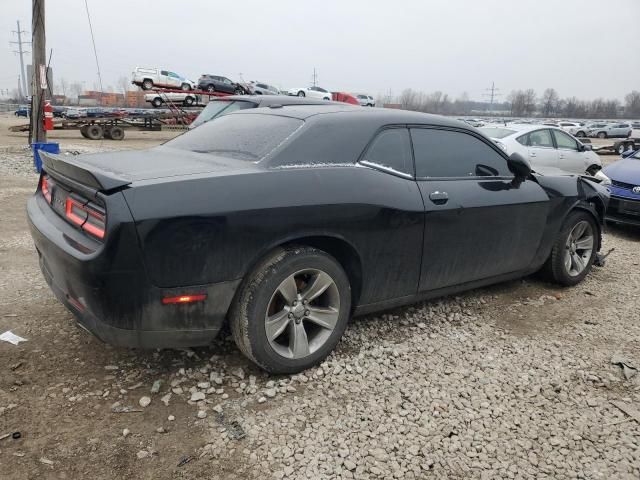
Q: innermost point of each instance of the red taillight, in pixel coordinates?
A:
(184, 299)
(45, 189)
(85, 217)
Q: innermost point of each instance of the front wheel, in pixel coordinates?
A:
(156, 102)
(185, 86)
(575, 249)
(581, 134)
(291, 310)
(301, 94)
(602, 135)
(147, 84)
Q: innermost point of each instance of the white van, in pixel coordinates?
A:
(147, 78)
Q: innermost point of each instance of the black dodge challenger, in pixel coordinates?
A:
(285, 221)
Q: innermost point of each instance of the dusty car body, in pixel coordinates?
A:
(285, 221)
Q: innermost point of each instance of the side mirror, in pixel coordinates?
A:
(583, 147)
(519, 166)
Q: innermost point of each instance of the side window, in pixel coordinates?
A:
(391, 149)
(164, 72)
(565, 141)
(523, 140)
(447, 153)
(541, 138)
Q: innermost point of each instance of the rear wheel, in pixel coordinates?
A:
(94, 132)
(301, 94)
(147, 84)
(83, 131)
(291, 310)
(622, 148)
(575, 249)
(239, 91)
(581, 134)
(602, 134)
(116, 133)
(156, 102)
(186, 86)
(211, 89)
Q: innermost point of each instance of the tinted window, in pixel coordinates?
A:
(540, 138)
(262, 85)
(391, 149)
(163, 72)
(248, 137)
(523, 139)
(565, 141)
(444, 153)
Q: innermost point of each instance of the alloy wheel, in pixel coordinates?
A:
(578, 248)
(302, 313)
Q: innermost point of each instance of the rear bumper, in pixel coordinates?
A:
(108, 292)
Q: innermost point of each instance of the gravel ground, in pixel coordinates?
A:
(512, 381)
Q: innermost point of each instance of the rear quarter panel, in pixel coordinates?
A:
(213, 229)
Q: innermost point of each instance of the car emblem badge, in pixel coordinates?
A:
(636, 189)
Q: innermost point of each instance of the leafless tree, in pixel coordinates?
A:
(123, 85)
(75, 89)
(550, 102)
(632, 103)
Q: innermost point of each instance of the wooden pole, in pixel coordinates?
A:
(38, 72)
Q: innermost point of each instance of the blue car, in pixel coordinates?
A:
(624, 206)
(23, 111)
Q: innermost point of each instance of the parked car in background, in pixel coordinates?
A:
(224, 105)
(635, 125)
(23, 111)
(344, 98)
(366, 100)
(147, 78)
(72, 112)
(283, 222)
(572, 127)
(611, 130)
(312, 92)
(624, 174)
(217, 83)
(58, 112)
(159, 99)
(259, 88)
(546, 146)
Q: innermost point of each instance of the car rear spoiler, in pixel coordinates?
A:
(67, 166)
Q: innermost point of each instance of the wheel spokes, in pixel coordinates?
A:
(578, 262)
(317, 286)
(276, 324)
(298, 341)
(289, 290)
(324, 317)
(585, 243)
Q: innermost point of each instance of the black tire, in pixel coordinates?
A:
(301, 94)
(147, 84)
(555, 267)
(107, 133)
(116, 133)
(239, 91)
(185, 86)
(188, 101)
(156, 102)
(326, 98)
(621, 148)
(83, 131)
(94, 132)
(602, 134)
(581, 134)
(211, 88)
(247, 313)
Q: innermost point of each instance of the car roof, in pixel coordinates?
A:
(382, 116)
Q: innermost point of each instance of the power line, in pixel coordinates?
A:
(21, 53)
(95, 52)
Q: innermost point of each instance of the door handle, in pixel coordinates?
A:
(532, 154)
(439, 198)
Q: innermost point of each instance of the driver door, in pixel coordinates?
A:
(570, 157)
(479, 223)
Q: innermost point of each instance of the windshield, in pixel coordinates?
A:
(248, 137)
(219, 107)
(495, 132)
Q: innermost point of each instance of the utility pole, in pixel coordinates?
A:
(314, 78)
(21, 52)
(39, 71)
(492, 95)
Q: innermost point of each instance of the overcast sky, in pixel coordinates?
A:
(587, 48)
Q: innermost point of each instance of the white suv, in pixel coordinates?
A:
(366, 100)
(147, 78)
